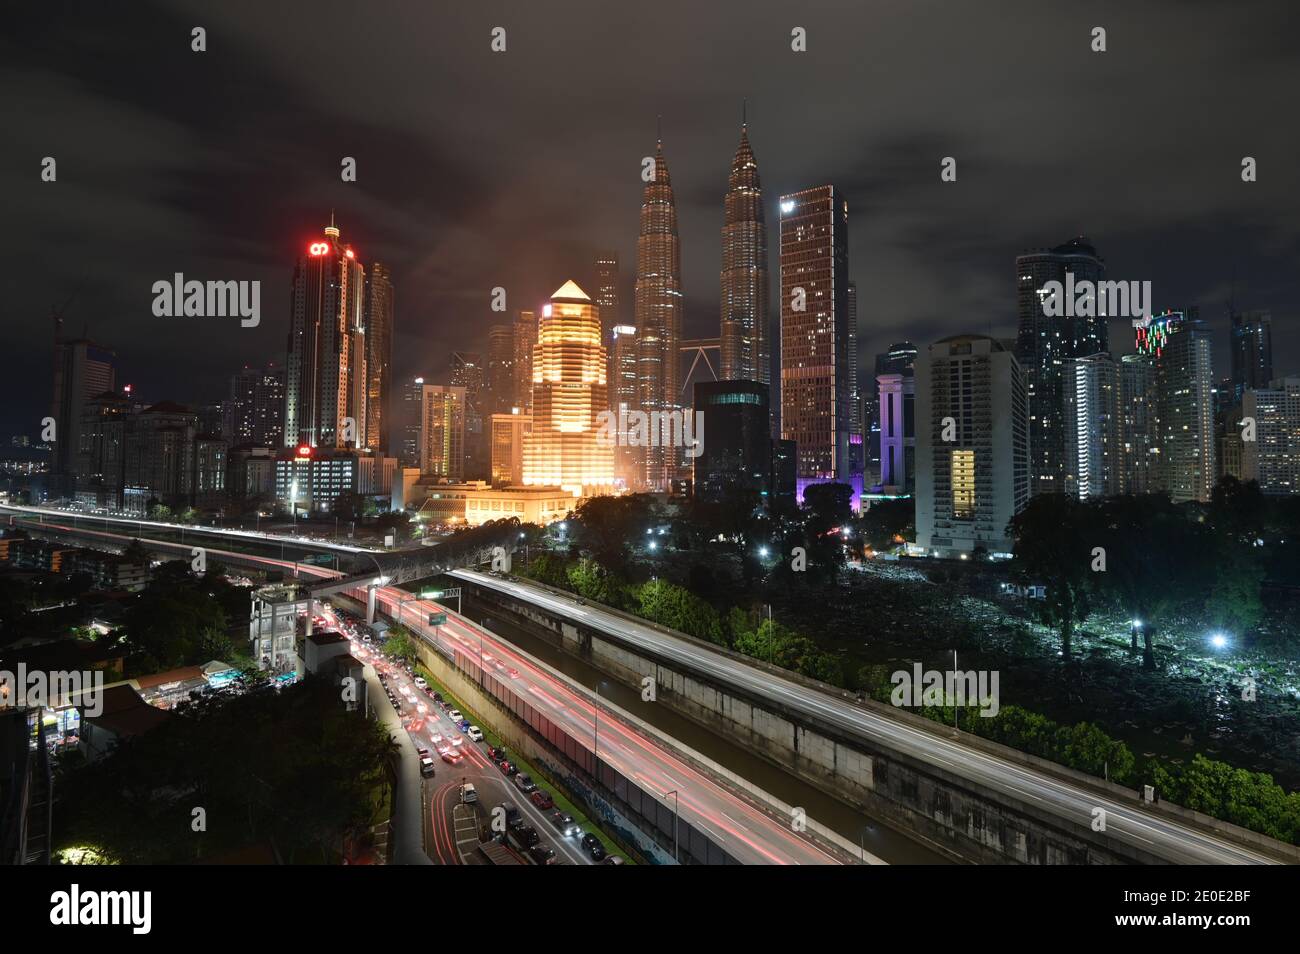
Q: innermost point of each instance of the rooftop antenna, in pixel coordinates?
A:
(659, 129)
(744, 110)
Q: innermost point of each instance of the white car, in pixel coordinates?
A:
(420, 683)
(475, 733)
(436, 740)
(458, 741)
(454, 715)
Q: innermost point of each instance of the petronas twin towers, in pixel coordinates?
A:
(658, 305)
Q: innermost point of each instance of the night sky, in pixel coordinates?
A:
(478, 169)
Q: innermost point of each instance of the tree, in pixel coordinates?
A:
(399, 645)
(606, 525)
(592, 581)
(1052, 549)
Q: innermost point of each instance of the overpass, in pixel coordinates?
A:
(708, 804)
(983, 800)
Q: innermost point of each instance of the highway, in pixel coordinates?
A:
(1073, 804)
(747, 832)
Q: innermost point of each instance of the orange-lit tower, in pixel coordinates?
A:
(569, 393)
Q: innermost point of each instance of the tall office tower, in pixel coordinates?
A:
(525, 339)
(324, 372)
(744, 272)
(969, 488)
(735, 440)
(509, 434)
(379, 357)
(899, 359)
(1138, 436)
(1252, 350)
(85, 371)
(1184, 403)
(443, 431)
(897, 430)
(607, 294)
(409, 415)
(1093, 419)
(658, 309)
(570, 393)
(468, 372)
(1044, 344)
(624, 393)
(815, 391)
(502, 382)
(857, 445)
(1273, 458)
(253, 412)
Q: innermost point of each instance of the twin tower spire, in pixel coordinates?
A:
(658, 295)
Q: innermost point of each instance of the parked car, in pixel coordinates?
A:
(592, 846)
(543, 800)
(421, 751)
(525, 783)
(511, 813)
(420, 683)
(455, 715)
(426, 767)
(613, 860)
(507, 768)
(526, 836)
(564, 823)
(437, 697)
(475, 733)
(463, 725)
(468, 793)
(497, 753)
(541, 855)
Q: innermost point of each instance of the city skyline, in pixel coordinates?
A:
(931, 262)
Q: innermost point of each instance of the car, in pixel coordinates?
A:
(455, 715)
(580, 601)
(457, 742)
(421, 751)
(450, 756)
(420, 683)
(592, 846)
(512, 813)
(564, 823)
(397, 707)
(468, 793)
(541, 855)
(463, 725)
(525, 783)
(507, 768)
(613, 860)
(475, 733)
(497, 753)
(426, 767)
(525, 836)
(543, 800)
(437, 741)
(437, 697)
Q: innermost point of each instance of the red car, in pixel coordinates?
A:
(542, 800)
(506, 768)
(450, 756)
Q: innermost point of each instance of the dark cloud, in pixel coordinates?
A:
(479, 169)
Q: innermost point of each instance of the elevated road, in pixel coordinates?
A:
(745, 830)
(1072, 803)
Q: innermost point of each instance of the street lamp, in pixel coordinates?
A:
(1219, 641)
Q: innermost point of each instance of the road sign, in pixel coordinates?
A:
(437, 619)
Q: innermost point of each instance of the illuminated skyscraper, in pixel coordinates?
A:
(569, 394)
(1045, 343)
(443, 431)
(607, 294)
(1184, 404)
(815, 387)
(467, 371)
(525, 339)
(325, 376)
(744, 272)
(623, 397)
(658, 316)
(379, 356)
